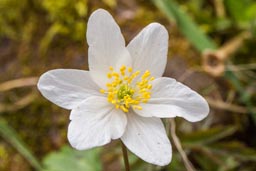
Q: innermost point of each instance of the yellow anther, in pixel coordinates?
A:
(109, 85)
(145, 100)
(149, 86)
(136, 102)
(145, 82)
(130, 69)
(129, 81)
(137, 73)
(111, 68)
(122, 90)
(152, 78)
(145, 75)
(147, 96)
(109, 75)
(124, 109)
(110, 89)
(123, 68)
(137, 107)
(114, 84)
(115, 74)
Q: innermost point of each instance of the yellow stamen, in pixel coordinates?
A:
(124, 109)
(111, 68)
(122, 90)
(130, 69)
(109, 75)
(137, 107)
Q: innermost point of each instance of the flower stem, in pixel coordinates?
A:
(125, 157)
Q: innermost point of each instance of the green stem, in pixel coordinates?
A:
(125, 157)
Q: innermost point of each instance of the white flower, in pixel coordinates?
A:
(123, 95)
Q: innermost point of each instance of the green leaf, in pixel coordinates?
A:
(251, 11)
(235, 149)
(68, 159)
(242, 11)
(81, 8)
(56, 28)
(244, 97)
(207, 136)
(215, 162)
(10, 135)
(205, 163)
(176, 163)
(110, 3)
(237, 9)
(185, 24)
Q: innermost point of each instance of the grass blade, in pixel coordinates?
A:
(10, 135)
(185, 24)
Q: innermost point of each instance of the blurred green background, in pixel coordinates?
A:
(36, 36)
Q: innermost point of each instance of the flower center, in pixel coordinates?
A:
(127, 88)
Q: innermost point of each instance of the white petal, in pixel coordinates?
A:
(94, 123)
(146, 137)
(67, 87)
(106, 46)
(149, 49)
(171, 98)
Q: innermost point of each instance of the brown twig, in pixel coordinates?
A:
(21, 82)
(226, 106)
(177, 143)
(214, 61)
(219, 8)
(21, 103)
